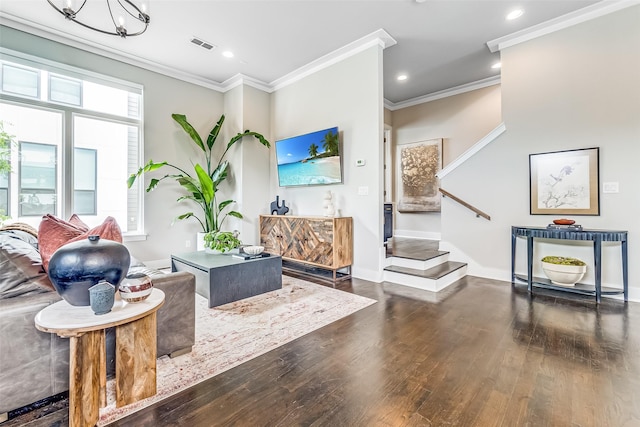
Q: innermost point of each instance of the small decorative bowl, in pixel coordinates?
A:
(564, 275)
(563, 221)
(135, 287)
(253, 250)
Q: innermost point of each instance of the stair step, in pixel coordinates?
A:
(410, 247)
(424, 262)
(434, 279)
(433, 273)
(423, 256)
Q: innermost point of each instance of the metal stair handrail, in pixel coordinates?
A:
(477, 211)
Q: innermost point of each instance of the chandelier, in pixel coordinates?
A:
(116, 16)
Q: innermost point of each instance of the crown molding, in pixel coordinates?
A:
(240, 79)
(588, 13)
(377, 38)
(457, 90)
(36, 29)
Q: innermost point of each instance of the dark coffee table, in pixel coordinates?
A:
(224, 278)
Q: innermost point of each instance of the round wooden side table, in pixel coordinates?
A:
(135, 325)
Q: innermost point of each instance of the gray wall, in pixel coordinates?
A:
(576, 88)
(347, 94)
(461, 121)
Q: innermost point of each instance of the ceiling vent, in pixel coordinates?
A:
(202, 43)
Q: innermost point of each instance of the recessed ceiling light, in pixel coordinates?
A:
(402, 77)
(497, 65)
(515, 14)
(227, 54)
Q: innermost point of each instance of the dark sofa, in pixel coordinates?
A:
(34, 365)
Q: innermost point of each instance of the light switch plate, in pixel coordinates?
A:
(361, 162)
(610, 187)
(363, 191)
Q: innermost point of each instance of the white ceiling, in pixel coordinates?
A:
(441, 44)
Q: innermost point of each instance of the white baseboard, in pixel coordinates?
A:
(475, 269)
(412, 234)
(366, 274)
(505, 276)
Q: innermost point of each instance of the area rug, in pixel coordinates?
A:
(231, 334)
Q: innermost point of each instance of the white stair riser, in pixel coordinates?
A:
(418, 264)
(433, 285)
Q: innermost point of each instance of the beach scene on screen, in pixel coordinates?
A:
(310, 159)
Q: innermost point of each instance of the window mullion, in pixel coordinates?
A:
(66, 169)
(69, 109)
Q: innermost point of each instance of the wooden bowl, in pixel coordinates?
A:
(563, 221)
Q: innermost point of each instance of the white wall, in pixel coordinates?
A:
(255, 189)
(461, 120)
(164, 140)
(576, 88)
(228, 190)
(348, 95)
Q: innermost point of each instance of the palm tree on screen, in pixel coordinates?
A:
(313, 150)
(331, 143)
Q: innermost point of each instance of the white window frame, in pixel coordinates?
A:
(69, 112)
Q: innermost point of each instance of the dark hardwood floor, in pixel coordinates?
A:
(479, 353)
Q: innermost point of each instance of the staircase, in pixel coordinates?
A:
(418, 263)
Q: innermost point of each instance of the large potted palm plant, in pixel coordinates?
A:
(201, 186)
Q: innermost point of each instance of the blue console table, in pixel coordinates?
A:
(596, 236)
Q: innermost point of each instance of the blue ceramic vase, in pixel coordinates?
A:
(102, 297)
(77, 266)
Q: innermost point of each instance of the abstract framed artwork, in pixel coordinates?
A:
(417, 183)
(565, 182)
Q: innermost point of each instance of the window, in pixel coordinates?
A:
(84, 181)
(79, 137)
(65, 90)
(6, 145)
(37, 179)
(4, 194)
(20, 80)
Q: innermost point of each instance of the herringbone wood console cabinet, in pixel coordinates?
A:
(324, 242)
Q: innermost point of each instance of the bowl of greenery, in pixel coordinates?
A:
(220, 242)
(563, 271)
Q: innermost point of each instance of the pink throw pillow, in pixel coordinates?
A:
(75, 220)
(55, 232)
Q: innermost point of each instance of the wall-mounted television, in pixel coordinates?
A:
(310, 159)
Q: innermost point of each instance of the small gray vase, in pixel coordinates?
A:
(102, 297)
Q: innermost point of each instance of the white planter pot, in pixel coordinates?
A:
(200, 241)
(564, 275)
(217, 252)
